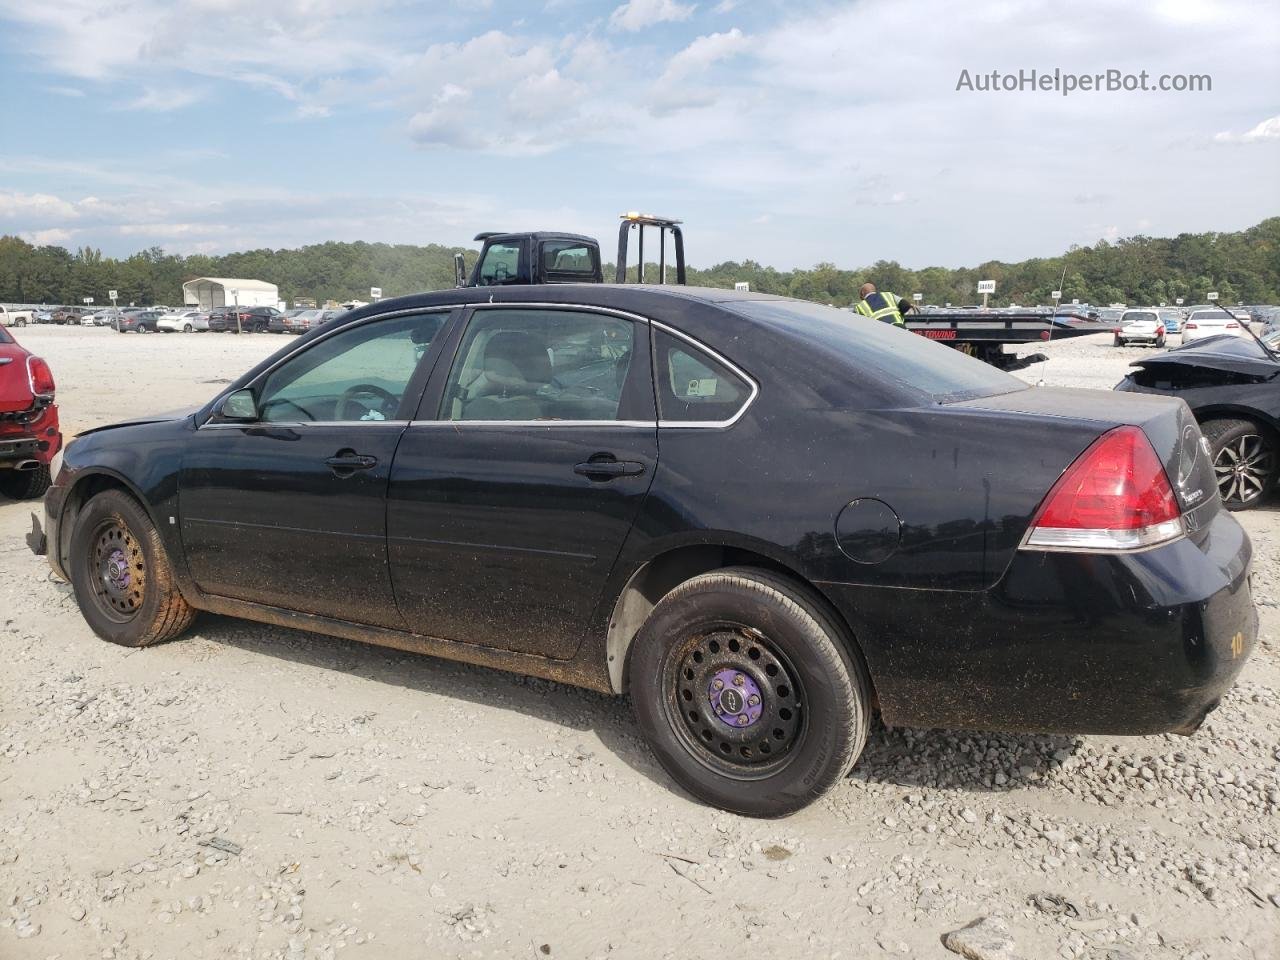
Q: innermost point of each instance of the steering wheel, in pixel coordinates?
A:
(389, 400)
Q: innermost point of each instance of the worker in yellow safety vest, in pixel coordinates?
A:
(885, 307)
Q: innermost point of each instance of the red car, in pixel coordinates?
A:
(29, 433)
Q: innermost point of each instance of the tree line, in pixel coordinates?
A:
(1242, 267)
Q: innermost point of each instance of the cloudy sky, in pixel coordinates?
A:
(788, 133)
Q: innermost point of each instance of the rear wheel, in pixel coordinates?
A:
(121, 575)
(747, 693)
(1245, 458)
(25, 484)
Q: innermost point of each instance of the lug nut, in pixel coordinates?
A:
(739, 680)
(718, 684)
(753, 701)
(743, 720)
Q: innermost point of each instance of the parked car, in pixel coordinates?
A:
(29, 433)
(303, 321)
(106, 318)
(89, 320)
(15, 316)
(66, 315)
(1211, 322)
(138, 321)
(1172, 320)
(671, 492)
(182, 321)
(277, 323)
(1232, 385)
(1140, 326)
(252, 319)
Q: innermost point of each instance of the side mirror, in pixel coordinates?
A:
(459, 270)
(239, 406)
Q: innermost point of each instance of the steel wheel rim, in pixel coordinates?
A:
(1243, 467)
(734, 701)
(117, 571)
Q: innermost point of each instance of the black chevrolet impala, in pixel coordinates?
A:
(760, 517)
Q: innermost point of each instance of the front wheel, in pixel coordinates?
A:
(1245, 460)
(121, 575)
(748, 693)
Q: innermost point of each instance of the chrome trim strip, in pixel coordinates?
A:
(649, 424)
(302, 424)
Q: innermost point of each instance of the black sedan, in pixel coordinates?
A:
(760, 517)
(1232, 385)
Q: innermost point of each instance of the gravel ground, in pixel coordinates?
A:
(253, 792)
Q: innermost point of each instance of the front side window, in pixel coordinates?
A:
(692, 385)
(522, 365)
(358, 374)
(501, 264)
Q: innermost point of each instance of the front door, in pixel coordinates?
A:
(290, 510)
(506, 514)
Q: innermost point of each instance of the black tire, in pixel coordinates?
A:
(1118, 342)
(1160, 343)
(790, 663)
(25, 484)
(121, 575)
(1245, 460)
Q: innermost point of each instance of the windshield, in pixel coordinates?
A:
(896, 354)
(4, 337)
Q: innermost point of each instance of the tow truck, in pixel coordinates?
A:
(984, 333)
(551, 257)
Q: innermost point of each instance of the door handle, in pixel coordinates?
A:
(602, 469)
(346, 462)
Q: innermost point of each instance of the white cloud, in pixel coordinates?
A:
(705, 51)
(163, 100)
(35, 207)
(1268, 129)
(637, 14)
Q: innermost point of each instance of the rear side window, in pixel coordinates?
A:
(693, 386)
(568, 260)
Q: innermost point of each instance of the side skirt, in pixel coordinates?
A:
(562, 671)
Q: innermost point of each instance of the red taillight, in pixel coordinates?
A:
(41, 377)
(1159, 331)
(1190, 326)
(1116, 496)
(1233, 326)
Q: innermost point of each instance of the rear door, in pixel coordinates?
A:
(507, 512)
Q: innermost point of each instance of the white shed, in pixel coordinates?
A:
(209, 292)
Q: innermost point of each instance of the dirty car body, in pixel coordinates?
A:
(549, 467)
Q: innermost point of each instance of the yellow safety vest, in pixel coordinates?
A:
(881, 306)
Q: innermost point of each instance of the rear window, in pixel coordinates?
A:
(941, 373)
(1211, 315)
(568, 260)
(1136, 315)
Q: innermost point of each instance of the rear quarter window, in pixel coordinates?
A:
(881, 351)
(693, 386)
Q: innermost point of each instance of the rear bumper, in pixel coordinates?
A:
(38, 439)
(50, 537)
(1140, 643)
